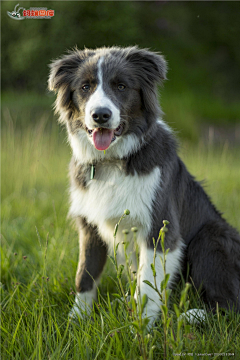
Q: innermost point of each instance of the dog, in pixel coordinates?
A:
(125, 157)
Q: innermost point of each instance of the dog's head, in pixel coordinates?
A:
(108, 92)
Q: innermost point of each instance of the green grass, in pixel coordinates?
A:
(190, 113)
(40, 252)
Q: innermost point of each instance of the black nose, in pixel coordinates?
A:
(101, 115)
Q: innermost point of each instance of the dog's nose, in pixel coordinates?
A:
(101, 115)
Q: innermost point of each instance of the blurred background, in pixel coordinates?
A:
(200, 41)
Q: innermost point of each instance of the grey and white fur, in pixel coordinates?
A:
(107, 98)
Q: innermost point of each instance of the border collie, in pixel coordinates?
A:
(124, 157)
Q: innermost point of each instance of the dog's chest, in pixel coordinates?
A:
(103, 199)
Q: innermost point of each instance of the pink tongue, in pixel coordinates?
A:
(102, 138)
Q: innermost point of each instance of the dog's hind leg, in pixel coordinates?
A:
(92, 258)
(214, 258)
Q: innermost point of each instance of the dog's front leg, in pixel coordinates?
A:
(152, 307)
(145, 272)
(92, 258)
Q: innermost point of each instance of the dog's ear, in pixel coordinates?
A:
(62, 74)
(150, 69)
(63, 69)
(152, 65)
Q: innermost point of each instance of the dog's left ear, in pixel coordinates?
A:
(150, 69)
(152, 65)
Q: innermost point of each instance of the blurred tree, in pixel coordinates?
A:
(199, 39)
(29, 45)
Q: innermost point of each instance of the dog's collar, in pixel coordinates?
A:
(118, 163)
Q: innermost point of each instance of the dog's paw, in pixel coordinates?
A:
(81, 308)
(75, 313)
(194, 316)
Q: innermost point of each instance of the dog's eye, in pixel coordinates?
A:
(86, 88)
(121, 87)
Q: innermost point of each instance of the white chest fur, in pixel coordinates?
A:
(105, 198)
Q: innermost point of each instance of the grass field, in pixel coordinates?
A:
(40, 252)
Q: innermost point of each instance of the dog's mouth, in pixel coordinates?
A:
(103, 137)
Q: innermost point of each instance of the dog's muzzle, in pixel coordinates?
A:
(101, 115)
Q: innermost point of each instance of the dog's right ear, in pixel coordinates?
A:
(63, 69)
(62, 74)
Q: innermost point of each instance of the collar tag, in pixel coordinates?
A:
(92, 172)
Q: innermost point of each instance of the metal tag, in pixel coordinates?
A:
(92, 172)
